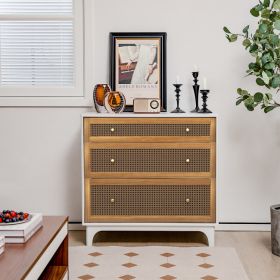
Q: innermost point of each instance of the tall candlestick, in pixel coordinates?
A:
(177, 80)
(195, 68)
(196, 91)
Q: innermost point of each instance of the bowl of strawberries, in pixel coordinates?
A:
(11, 217)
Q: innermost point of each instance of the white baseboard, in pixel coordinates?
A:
(219, 227)
(76, 226)
(243, 227)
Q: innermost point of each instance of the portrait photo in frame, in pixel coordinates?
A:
(138, 66)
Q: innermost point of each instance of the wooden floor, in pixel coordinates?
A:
(253, 249)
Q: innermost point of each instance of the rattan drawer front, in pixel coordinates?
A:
(149, 129)
(150, 160)
(188, 201)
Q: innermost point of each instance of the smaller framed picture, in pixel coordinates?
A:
(138, 66)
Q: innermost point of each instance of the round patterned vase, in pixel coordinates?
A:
(114, 102)
(99, 92)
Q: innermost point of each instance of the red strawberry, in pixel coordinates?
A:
(13, 214)
(1, 220)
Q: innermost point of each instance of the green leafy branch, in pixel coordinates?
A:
(264, 47)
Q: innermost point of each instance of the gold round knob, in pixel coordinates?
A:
(187, 160)
(112, 160)
(112, 200)
(187, 129)
(188, 200)
(112, 129)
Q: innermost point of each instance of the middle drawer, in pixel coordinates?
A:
(107, 160)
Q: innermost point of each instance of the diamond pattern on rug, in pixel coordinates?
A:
(168, 277)
(91, 264)
(129, 265)
(95, 254)
(203, 255)
(206, 265)
(127, 277)
(131, 254)
(167, 255)
(167, 265)
(154, 262)
(209, 277)
(86, 277)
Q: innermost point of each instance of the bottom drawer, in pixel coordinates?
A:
(150, 200)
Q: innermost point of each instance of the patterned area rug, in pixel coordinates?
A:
(155, 262)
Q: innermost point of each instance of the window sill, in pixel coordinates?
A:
(45, 102)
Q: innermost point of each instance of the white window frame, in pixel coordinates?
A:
(78, 96)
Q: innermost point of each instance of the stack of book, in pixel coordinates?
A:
(2, 244)
(20, 233)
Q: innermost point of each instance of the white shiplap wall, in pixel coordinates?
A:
(40, 147)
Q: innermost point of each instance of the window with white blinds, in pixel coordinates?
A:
(41, 48)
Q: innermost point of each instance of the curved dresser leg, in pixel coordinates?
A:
(210, 233)
(90, 233)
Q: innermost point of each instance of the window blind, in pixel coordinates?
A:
(18, 7)
(37, 43)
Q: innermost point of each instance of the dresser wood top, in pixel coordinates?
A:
(134, 115)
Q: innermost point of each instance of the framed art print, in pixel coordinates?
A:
(138, 66)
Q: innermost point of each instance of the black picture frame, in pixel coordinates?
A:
(162, 37)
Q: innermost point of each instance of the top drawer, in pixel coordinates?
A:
(149, 129)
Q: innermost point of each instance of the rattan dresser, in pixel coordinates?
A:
(149, 172)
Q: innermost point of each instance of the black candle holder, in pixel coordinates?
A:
(204, 97)
(177, 90)
(196, 91)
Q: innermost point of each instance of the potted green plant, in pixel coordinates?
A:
(263, 45)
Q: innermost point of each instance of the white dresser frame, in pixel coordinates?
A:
(93, 228)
